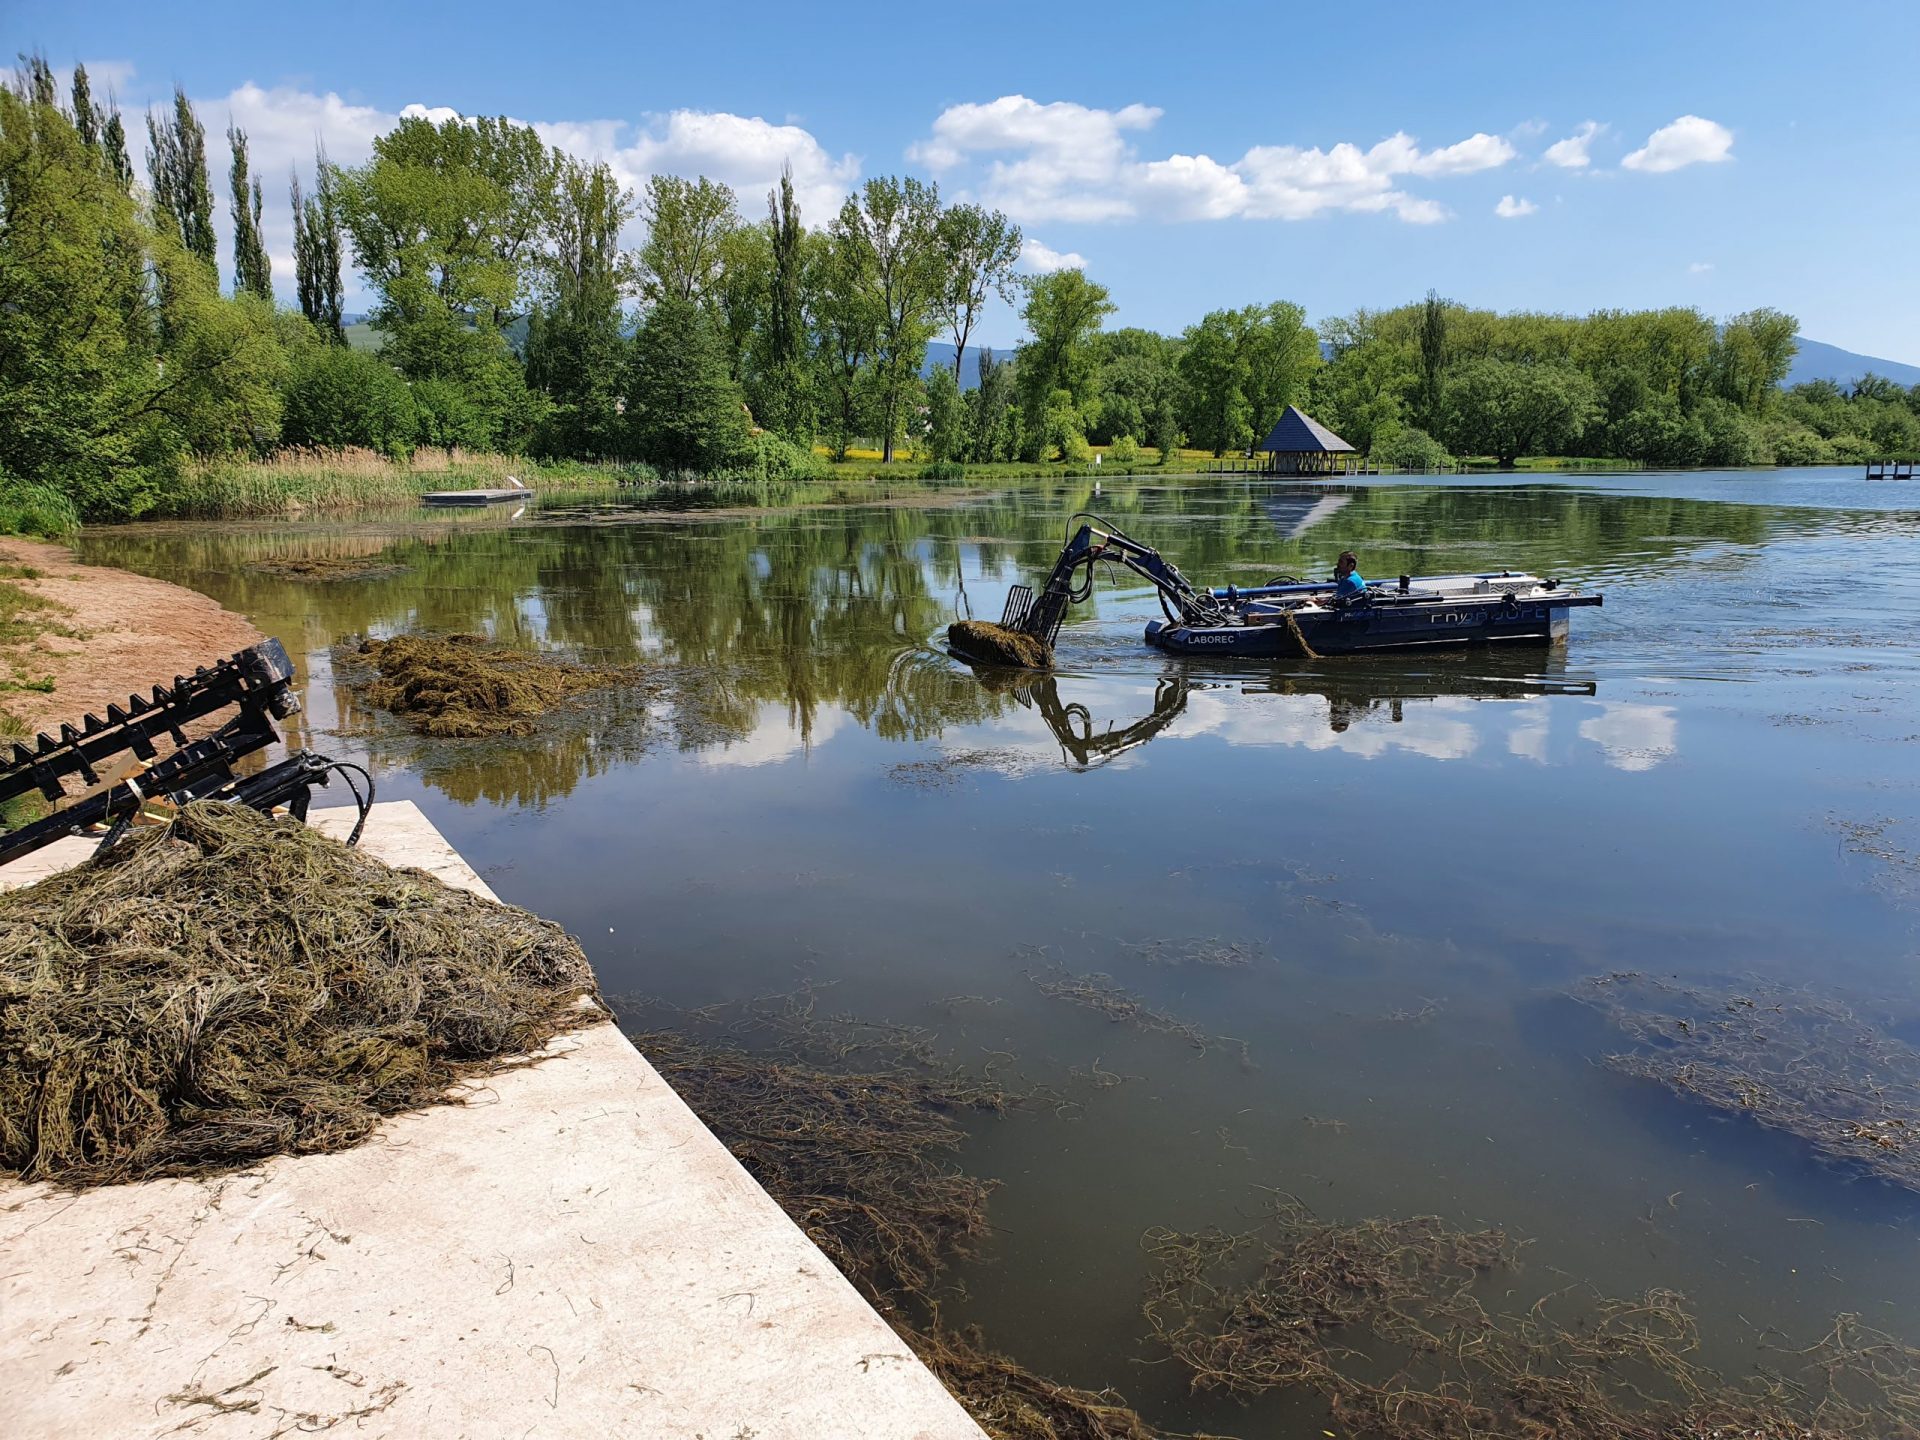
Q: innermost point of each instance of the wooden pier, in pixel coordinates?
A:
(1890, 469)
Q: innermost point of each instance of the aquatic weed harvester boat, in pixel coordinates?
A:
(1284, 618)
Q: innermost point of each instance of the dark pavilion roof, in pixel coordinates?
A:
(1300, 434)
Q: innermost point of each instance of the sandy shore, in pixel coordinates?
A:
(129, 633)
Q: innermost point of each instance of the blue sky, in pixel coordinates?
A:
(1191, 156)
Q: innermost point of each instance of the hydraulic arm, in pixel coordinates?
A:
(1071, 582)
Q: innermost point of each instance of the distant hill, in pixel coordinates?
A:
(1818, 360)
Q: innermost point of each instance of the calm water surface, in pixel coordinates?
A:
(1421, 857)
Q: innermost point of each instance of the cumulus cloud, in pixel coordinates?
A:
(1070, 162)
(1512, 208)
(1042, 259)
(1690, 140)
(1571, 153)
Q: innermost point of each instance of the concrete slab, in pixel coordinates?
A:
(570, 1252)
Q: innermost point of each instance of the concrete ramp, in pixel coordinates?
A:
(570, 1252)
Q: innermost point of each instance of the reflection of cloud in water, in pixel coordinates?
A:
(776, 736)
(1434, 727)
(1528, 739)
(1632, 736)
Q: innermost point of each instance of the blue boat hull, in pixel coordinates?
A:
(1470, 621)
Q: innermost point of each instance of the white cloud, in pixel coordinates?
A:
(746, 152)
(1512, 208)
(1070, 162)
(107, 78)
(1571, 153)
(1630, 735)
(1700, 267)
(1690, 140)
(1042, 259)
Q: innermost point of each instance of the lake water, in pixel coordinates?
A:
(1418, 858)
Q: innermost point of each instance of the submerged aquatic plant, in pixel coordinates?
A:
(230, 987)
(1791, 1060)
(1384, 1319)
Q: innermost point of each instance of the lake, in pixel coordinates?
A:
(1373, 884)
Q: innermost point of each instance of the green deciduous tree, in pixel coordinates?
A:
(976, 251)
(1507, 409)
(318, 251)
(1752, 357)
(575, 349)
(893, 221)
(843, 315)
(685, 414)
(336, 397)
(686, 223)
(1063, 312)
(784, 400)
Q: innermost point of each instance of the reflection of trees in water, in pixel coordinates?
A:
(807, 608)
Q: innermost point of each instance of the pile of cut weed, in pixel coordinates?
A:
(456, 687)
(981, 642)
(231, 987)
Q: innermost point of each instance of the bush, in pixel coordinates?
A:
(1797, 445)
(783, 462)
(445, 416)
(29, 509)
(1409, 448)
(336, 398)
(944, 470)
(1125, 452)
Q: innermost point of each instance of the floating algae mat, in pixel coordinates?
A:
(1384, 1320)
(322, 568)
(984, 643)
(462, 686)
(231, 987)
(1788, 1059)
(854, 1129)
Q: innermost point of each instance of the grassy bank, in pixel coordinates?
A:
(298, 482)
(328, 480)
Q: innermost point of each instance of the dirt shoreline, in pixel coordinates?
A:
(129, 632)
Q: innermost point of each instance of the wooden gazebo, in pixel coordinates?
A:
(1300, 445)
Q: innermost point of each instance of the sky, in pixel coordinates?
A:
(1556, 155)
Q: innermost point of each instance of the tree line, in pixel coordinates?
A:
(510, 316)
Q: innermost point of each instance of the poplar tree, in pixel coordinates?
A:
(177, 165)
(119, 162)
(87, 118)
(317, 252)
(786, 402)
(252, 271)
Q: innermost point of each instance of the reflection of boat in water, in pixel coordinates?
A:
(1351, 697)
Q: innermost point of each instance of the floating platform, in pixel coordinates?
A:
(569, 1253)
(473, 497)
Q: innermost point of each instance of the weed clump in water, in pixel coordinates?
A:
(1790, 1060)
(455, 687)
(319, 569)
(1382, 1319)
(232, 987)
(981, 642)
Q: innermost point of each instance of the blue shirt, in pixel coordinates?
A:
(1351, 588)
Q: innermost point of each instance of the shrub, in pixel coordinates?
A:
(1409, 448)
(30, 509)
(783, 462)
(1797, 445)
(336, 398)
(1125, 452)
(944, 470)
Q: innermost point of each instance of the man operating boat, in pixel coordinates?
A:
(1348, 587)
